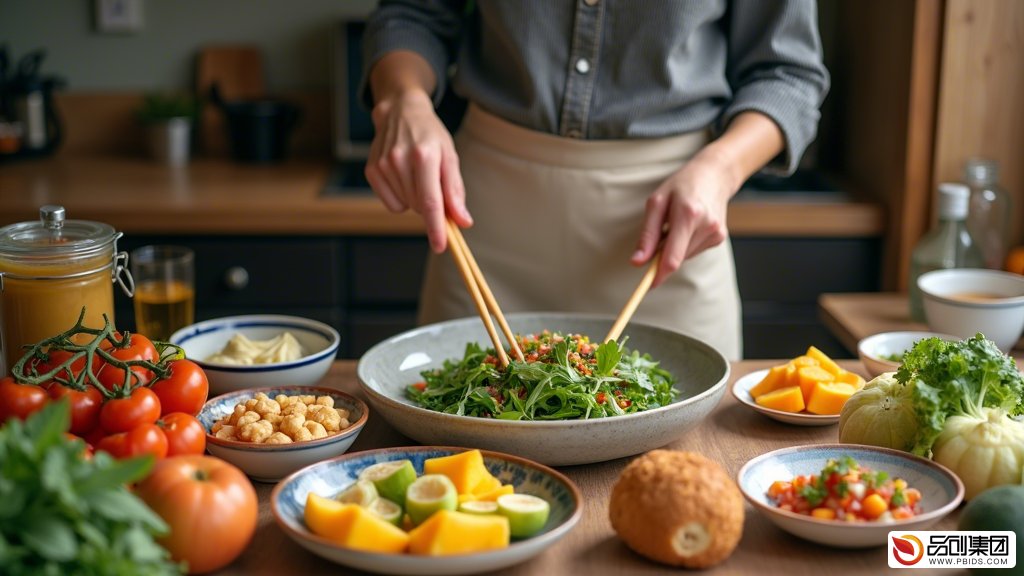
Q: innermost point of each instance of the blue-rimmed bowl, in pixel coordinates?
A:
(941, 491)
(271, 462)
(288, 503)
(204, 339)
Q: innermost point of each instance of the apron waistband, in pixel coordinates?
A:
(575, 153)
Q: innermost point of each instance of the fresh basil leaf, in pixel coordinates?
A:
(119, 505)
(141, 546)
(49, 536)
(47, 426)
(118, 472)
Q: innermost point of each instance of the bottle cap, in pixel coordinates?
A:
(981, 171)
(953, 198)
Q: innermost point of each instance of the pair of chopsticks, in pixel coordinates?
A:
(486, 305)
(481, 293)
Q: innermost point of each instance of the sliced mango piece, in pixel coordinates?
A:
(791, 378)
(775, 379)
(448, 532)
(829, 397)
(804, 362)
(488, 484)
(850, 378)
(493, 494)
(824, 361)
(809, 377)
(352, 526)
(788, 399)
(466, 470)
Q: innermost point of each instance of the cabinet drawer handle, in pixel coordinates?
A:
(236, 278)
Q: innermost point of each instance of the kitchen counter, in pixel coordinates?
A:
(215, 196)
(731, 435)
(853, 317)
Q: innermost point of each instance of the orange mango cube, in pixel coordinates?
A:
(775, 379)
(809, 377)
(788, 399)
(852, 379)
(824, 361)
(828, 398)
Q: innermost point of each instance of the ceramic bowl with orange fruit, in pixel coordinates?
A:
(809, 390)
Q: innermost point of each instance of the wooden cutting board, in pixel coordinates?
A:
(238, 72)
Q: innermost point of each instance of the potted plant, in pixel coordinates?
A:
(168, 119)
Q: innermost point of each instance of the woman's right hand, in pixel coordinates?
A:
(413, 163)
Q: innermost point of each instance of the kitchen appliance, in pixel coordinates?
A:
(26, 103)
(259, 127)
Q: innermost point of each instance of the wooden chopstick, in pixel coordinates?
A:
(485, 290)
(634, 300)
(474, 291)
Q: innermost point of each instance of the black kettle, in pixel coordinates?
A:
(26, 100)
(258, 128)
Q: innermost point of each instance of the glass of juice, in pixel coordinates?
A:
(165, 294)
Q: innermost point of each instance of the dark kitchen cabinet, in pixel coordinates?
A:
(368, 287)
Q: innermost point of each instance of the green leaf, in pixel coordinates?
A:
(141, 547)
(49, 536)
(116, 472)
(119, 505)
(510, 415)
(608, 355)
(47, 426)
(13, 501)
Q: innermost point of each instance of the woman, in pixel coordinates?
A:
(597, 131)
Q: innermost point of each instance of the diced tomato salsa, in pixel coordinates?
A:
(847, 492)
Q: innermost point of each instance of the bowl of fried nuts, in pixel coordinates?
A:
(269, 433)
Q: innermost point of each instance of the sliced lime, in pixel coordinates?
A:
(387, 510)
(362, 493)
(526, 514)
(392, 479)
(428, 494)
(479, 507)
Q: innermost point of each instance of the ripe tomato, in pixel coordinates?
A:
(124, 414)
(210, 506)
(93, 437)
(185, 435)
(139, 348)
(86, 453)
(85, 406)
(19, 400)
(185, 390)
(141, 440)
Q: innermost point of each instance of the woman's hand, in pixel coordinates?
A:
(412, 162)
(691, 205)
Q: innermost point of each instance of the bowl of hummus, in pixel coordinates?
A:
(240, 352)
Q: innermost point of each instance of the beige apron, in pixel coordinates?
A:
(556, 221)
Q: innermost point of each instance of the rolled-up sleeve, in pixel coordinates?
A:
(430, 28)
(775, 67)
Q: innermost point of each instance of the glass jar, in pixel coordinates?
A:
(49, 271)
(988, 219)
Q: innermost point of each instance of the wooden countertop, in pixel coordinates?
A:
(853, 317)
(731, 435)
(213, 196)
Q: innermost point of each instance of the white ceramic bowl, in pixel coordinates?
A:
(941, 491)
(872, 348)
(741, 391)
(288, 502)
(204, 339)
(1000, 320)
(272, 462)
(389, 368)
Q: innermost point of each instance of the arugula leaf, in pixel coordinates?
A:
(608, 355)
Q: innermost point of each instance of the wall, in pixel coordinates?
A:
(294, 35)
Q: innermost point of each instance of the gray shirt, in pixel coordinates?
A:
(604, 69)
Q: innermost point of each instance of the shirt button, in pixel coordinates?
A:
(583, 66)
(574, 134)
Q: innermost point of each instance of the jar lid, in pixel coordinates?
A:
(52, 235)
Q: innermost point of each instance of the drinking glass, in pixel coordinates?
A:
(165, 291)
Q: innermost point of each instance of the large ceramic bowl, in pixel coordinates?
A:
(941, 491)
(872, 349)
(1000, 319)
(204, 339)
(328, 478)
(389, 367)
(271, 462)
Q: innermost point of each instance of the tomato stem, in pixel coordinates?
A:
(41, 352)
(201, 475)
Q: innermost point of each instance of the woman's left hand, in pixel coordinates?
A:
(691, 206)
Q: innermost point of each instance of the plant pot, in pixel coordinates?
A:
(169, 140)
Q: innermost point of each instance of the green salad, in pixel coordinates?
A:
(563, 377)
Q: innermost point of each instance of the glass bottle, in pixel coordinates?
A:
(988, 218)
(948, 245)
